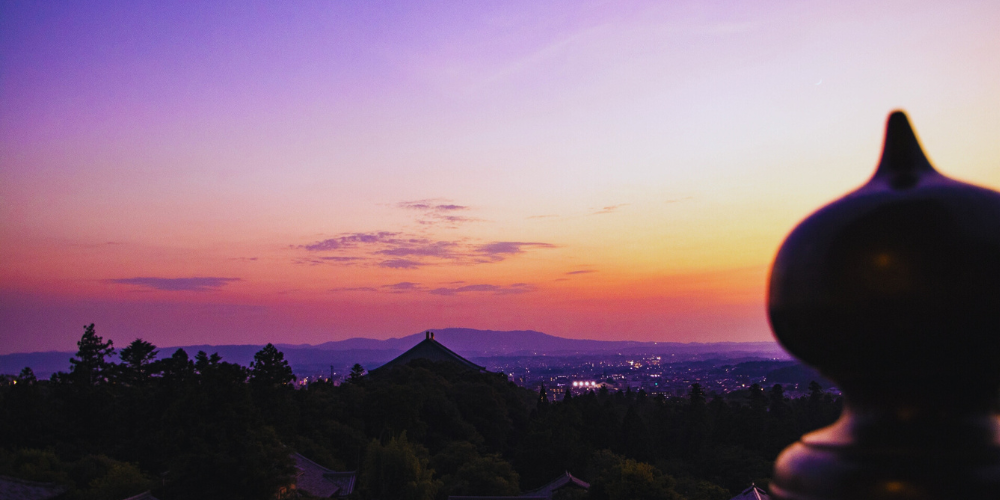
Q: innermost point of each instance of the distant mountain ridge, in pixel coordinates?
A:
(467, 342)
(481, 342)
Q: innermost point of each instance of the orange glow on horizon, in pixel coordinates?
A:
(591, 172)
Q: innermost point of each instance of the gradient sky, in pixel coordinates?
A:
(240, 172)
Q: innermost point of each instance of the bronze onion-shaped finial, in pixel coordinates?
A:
(893, 291)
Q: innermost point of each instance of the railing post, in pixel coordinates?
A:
(893, 291)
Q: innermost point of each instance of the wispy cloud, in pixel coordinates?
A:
(350, 240)
(309, 260)
(421, 248)
(675, 200)
(610, 208)
(337, 258)
(354, 289)
(430, 204)
(194, 284)
(499, 250)
(451, 220)
(398, 251)
(412, 287)
(403, 286)
(400, 264)
(582, 271)
(438, 211)
(485, 288)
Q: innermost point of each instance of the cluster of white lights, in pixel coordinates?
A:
(584, 384)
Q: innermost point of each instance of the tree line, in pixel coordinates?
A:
(204, 428)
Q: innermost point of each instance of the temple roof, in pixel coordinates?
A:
(19, 489)
(320, 481)
(566, 480)
(431, 350)
(146, 495)
(752, 493)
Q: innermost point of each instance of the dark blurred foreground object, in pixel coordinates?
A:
(893, 291)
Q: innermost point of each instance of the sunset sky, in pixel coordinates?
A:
(299, 172)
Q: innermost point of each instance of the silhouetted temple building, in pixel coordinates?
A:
(20, 489)
(752, 493)
(12, 488)
(146, 495)
(562, 484)
(431, 350)
(318, 481)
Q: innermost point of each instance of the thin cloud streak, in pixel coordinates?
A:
(677, 200)
(354, 289)
(403, 286)
(440, 249)
(411, 252)
(436, 211)
(515, 288)
(351, 240)
(400, 264)
(412, 287)
(510, 247)
(429, 205)
(610, 209)
(193, 284)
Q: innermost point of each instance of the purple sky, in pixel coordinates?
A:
(232, 172)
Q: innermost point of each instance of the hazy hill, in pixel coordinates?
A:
(465, 341)
(471, 342)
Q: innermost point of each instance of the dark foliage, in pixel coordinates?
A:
(205, 428)
(191, 425)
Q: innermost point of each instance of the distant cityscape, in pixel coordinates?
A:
(559, 364)
(652, 374)
(533, 360)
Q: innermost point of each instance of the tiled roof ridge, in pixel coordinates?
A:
(453, 353)
(556, 483)
(335, 484)
(14, 488)
(430, 345)
(146, 495)
(758, 493)
(303, 457)
(29, 482)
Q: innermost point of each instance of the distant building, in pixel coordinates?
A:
(143, 496)
(430, 350)
(558, 487)
(752, 493)
(316, 480)
(19, 489)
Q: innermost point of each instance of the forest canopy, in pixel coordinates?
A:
(204, 428)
